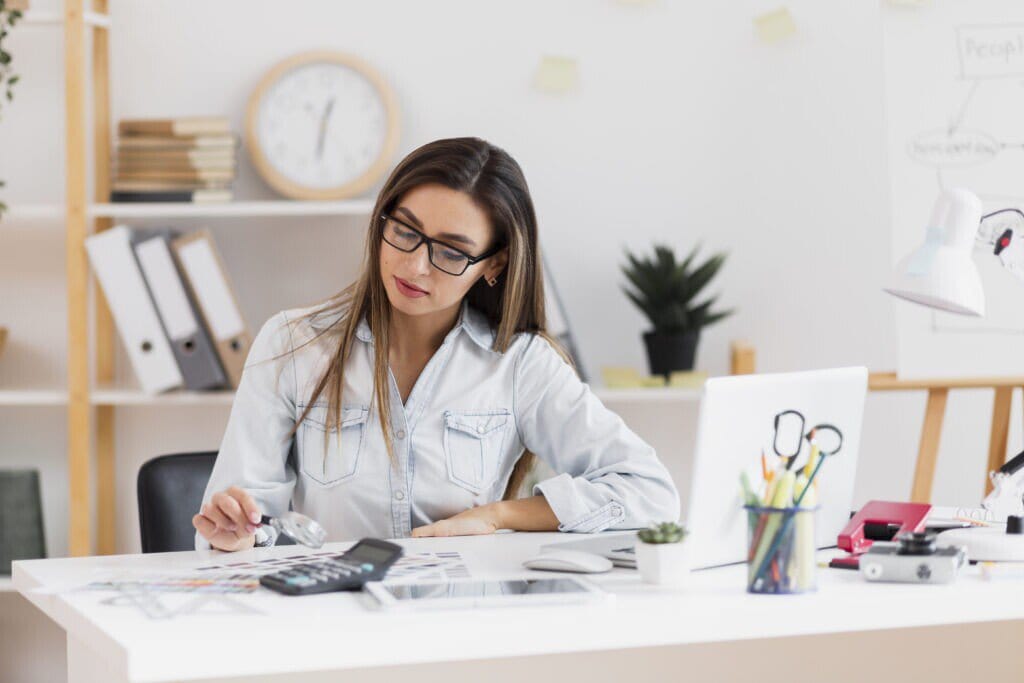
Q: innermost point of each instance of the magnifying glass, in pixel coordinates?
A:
(297, 527)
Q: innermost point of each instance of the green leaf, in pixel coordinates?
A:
(702, 276)
(663, 288)
(715, 317)
(644, 307)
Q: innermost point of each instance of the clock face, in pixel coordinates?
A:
(321, 125)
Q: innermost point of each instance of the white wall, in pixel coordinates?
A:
(684, 129)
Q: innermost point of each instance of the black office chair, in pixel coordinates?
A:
(170, 489)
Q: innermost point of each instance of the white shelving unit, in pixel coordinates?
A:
(650, 394)
(136, 397)
(33, 397)
(31, 212)
(53, 18)
(236, 209)
(248, 209)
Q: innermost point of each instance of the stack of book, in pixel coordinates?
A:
(189, 159)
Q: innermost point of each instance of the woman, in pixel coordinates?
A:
(412, 403)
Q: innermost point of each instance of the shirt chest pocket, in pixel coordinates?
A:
(339, 462)
(473, 442)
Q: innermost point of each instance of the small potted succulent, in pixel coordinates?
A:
(661, 555)
(667, 292)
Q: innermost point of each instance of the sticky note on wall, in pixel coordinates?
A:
(776, 26)
(556, 74)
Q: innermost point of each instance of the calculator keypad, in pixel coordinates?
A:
(329, 574)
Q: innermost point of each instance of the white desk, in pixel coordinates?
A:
(337, 632)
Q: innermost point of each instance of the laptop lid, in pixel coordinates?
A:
(737, 418)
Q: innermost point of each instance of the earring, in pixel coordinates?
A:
(492, 281)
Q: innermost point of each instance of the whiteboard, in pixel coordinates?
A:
(954, 79)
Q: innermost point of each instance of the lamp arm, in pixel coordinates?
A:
(996, 213)
(987, 237)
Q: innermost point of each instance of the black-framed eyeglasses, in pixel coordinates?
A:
(445, 257)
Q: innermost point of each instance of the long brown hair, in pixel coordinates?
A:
(515, 304)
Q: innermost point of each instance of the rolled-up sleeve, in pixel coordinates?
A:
(609, 478)
(254, 452)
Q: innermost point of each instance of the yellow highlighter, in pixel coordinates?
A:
(804, 540)
(782, 498)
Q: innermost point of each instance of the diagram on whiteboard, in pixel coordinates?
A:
(954, 103)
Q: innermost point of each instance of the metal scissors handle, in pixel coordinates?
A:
(790, 457)
(828, 428)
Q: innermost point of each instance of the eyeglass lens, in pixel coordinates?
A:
(403, 238)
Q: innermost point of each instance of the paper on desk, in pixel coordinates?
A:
(186, 580)
(947, 514)
(776, 26)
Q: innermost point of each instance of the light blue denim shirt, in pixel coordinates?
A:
(467, 420)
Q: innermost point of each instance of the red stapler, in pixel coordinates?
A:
(878, 520)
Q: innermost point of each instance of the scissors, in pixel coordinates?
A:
(791, 424)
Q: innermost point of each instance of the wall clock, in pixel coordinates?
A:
(321, 125)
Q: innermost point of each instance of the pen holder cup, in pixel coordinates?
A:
(780, 550)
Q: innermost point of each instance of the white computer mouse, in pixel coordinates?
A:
(569, 561)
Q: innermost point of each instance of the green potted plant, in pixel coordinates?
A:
(10, 14)
(666, 291)
(661, 555)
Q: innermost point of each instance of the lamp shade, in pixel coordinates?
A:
(941, 272)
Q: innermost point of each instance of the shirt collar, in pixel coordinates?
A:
(471, 320)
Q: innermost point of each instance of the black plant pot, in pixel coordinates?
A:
(671, 352)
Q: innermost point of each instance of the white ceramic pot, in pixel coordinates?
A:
(666, 564)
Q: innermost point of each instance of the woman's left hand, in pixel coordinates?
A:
(472, 522)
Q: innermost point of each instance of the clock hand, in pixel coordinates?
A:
(323, 129)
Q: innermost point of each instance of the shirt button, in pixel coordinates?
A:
(480, 429)
(399, 495)
(400, 434)
(616, 510)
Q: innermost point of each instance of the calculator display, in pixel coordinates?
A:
(371, 553)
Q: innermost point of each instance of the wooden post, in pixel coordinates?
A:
(106, 493)
(79, 505)
(928, 451)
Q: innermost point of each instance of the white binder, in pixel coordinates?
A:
(113, 262)
(190, 343)
(207, 279)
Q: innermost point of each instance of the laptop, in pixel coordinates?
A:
(737, 422)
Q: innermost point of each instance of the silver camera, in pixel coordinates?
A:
(913, 558)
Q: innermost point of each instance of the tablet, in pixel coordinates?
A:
(465, 593)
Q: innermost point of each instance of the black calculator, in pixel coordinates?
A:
(367, 560)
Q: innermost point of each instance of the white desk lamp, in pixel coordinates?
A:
(941, 274)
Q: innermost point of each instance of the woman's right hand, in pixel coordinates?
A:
(228, 522)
